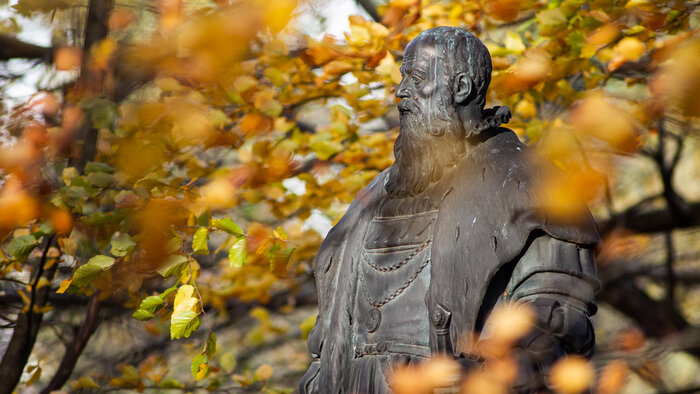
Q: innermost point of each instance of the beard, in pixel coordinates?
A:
(425, 147)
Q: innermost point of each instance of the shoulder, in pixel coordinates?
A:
(507, 178)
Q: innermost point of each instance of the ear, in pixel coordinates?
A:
(462, 88)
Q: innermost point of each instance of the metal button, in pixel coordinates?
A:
(374, 318)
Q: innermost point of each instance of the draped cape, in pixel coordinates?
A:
(493, 206)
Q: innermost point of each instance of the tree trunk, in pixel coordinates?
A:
(27, 327)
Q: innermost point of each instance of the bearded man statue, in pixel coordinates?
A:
(453, 228)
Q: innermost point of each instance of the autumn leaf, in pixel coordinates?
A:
(87, 272)
(228, 225)
(184, 320)
(122, 244)
(200, 241)
(572, 374)
(238, 253)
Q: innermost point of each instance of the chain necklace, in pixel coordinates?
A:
(398, 265)
(382, 302)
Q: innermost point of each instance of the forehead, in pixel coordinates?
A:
(420, 53)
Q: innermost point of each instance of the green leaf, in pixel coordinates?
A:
(100, 179)
(165, 294)
(576, 41)
(148, 307)
(70, 173)
(142, 315)
(325, 149)
(227, 362)
(87, 272)
(218, 118)
(171, 383)
(210, 349)
(92, 167)
(203, 218)
(200, 241)
(590, 23)
(551, 21)
(44, 229)
(173, 265)
(270, 107)
(74, 195)
(20, 248)
(275, 76)
(184, 324)
(307, 325)
(152, 303)
(103, 114)
(122, 244)
(200, 366)
(238, 253)
(228, 225)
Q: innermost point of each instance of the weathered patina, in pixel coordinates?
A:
(455, 226)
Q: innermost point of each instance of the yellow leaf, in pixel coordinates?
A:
(102, 52)
(388, 67)
(218, 194)
(572, 374)
(267, 104)
(244, 82)
(359, 35)
(263, 372)
(525, 109)
(338, 67)
(184, 301)
(203, 370)
(35, 376)
(280, 234)
(630, 48)
(278, 13)
(43, 282)
(85, 382)
(514, 43)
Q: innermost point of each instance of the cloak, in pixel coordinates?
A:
(487, 217)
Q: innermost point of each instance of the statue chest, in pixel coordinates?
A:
(393, 269)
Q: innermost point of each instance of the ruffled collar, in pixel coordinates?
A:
(493, 117)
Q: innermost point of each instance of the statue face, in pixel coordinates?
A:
(424, 87)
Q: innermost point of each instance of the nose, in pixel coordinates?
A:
(402, 91)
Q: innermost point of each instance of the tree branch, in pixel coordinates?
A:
(654, 317)
(370, 8)
(96, 29)
(12, 48)
(75, 349)
(652, 221)
(27, 327)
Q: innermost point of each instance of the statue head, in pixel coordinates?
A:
(448, 61)
(445, 72)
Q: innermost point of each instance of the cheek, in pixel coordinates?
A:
(428, 89)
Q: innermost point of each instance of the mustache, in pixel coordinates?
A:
(407, 106)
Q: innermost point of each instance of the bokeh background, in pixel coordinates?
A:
(169, 168)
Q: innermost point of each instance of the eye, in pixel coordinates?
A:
(416, 78)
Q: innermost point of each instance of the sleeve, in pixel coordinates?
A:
(557, 279)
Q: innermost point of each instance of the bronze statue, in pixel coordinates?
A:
(452, 228)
